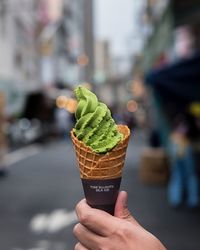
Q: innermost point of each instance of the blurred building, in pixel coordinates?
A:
(44, 43)
(102, 61)
(171, 44)
(88, 38)
(109, 73)
(67, 43)
(155, 21)
(18, 51)
(171, 31)
(3, 141)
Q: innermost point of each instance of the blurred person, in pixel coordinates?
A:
(154, 138)
(183, 180)
(72, 119)
(129, 119)
(116, 114)
(62, 119)
(100, 230)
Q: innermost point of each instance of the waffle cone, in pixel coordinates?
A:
(101, 166)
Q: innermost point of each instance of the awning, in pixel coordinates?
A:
(178, 82)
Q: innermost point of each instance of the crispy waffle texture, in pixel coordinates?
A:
(101, 166)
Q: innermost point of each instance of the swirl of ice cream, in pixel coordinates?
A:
(94, 126)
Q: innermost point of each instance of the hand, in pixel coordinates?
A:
(99, 230)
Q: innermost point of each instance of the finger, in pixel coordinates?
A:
(79, 246)
(121, 208)
(86, 237)
(94, 219)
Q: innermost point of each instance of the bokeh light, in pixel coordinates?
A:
(71, 105)
(83, 60)
(132, 106)
(87, 85)
(61, 101)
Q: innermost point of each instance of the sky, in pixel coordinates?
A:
(115, 21)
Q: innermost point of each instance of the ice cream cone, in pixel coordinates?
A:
(101, 173)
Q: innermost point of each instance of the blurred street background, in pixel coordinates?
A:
(142, 58)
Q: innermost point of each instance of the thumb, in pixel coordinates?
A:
(121, 208)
